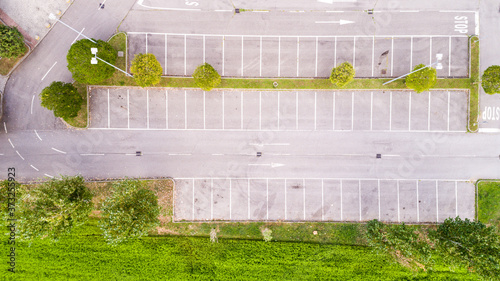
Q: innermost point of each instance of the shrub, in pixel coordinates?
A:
(206, 77)
(421, 80)
(491, 80)
(342, 74)
(11, 42)
(62, 98)
(80, 55)
(146, 69)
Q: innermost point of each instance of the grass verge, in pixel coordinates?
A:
(80, 121)
(488, 202)
(7, 64)
(474, 85)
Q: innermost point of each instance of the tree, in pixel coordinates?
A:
(130, 212)
(79, 57)
(11, 42)
(146, 69)
(62, 98)
(206, 77)
(470, 243)
(421, 80)
(53, 208)
(342, 74)
(491, 80)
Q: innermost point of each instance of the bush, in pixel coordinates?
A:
(11, 42)
(53, 208)
(206, 77)
(421, 80)
(79, 57)
(491, 80)
(342, 74)
(62, 98)
(146, 69)
(130, 212)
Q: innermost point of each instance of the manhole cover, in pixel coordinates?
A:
(383, 71)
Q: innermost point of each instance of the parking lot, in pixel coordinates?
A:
(161, 109)
(301, 56)
(261, 199)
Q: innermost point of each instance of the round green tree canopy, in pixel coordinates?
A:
(146, 69)
(342, 74)
(62, 98)
(421, 80)
(11, 42)
(491, 80)
(206, 77)
(80, 55)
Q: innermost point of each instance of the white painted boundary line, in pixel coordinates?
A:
(392, 55)
(57, 150)
(279, 110)
(49, 176)
(223, 110)
(109, 113)
(128, 109)
(409, 112)
(315, 108)
(390, 111)
(204, 48)
(304, 196)
(166, 109)
(260, 60)
(333, 114)
(166, 54)
(322, 201)
(204, 111)
(34, 168)
(146, 42)
(378, 184)
(260, 110)
(303, 36)
(418, 207)
(456, 199)
(373, 55)
(185, 110)
(352, 111)
(147, 108)
(430, 50)
(223, 39)
(354, 53)
(49, 70)
(5, 127)
(185, 56)
(429, 113)
(241, 99)
(285, 200)
(448, 128)
(267, 199)
(37, 135)
(411, 53)
(296, 110)
(298, 58)
(193, 199)
(32, 100)
(211, 199)
(242, 55)
(335, 53)
(437, 201)
(230, 199)
(359, 199)
(20, 155)
(316, 61)
(449, 56)
(341, 203)
(371, 112)
(279, 56)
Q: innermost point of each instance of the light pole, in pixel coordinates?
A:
(439, 57)
(95, 58)
(53, 17)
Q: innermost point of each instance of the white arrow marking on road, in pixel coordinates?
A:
(272, 165)
(341, 22)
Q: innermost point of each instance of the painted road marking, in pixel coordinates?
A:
(32, 99)
(49, 176)
(57, 150)
(37, 135)
(19, 155)
(49, 70)
(11, 143)
(35, 168)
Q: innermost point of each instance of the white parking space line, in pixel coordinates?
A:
(166, 109)
(279, 56)
(429, 113)
(211, 199)
(437, 202)
(260, 59)
(279, 110)
(456, 200)
(341, 203)
(185, 110)
(267, 199)
(230, 198)
(322, 201)
(316, 65)
(296, 110)
(223, 111)
(32, 100)
(147, 108)
(49, 176)
(166, 54)
(193, 199)
(373, 54)
(57, 150)
(315, 108)
(34, 168)
(335, 53)
(392, 55)
(409, 112)
(128, 110)
(49, 70)
(371, 111)
(5, 127)
(203, 49)
(352, 111)
(109, 114)
(411, 53)
(285, 199)
(304, 196)
(449, 56)
(20, 155)
(185, 56)
(260, 110)
(37, 135)
(359, 198)
(390, 111)
(298, 56)
(204, 111)
(378, 184)
(399, 217)
(242, 55)
(223, 39)
(448, 127)
(146, 42)
(241, 107)
(430, 50)
(333, 114)
(418, 207)
(354, 53)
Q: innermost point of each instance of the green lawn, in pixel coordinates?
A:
(488, 202)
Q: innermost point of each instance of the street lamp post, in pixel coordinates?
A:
(53, 17)
(439, 57)
(95, 58)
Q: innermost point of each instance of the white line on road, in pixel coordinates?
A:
(5, 127)
(230, 199)
(11, 144)
(37, 135)
(429, 113)
(177, 154)
(204, 110)
(456, 200)
(109, 113)
(449, 56)
(352, 111)
(248, 198)
(223, 10)
(241, 99)
(285, 199)
(437, 202)
(298, 58)
(97, 154)
(217, 154)
(333, 112)
(260, 60)
(147, 109)
(340, 22)
(128, 109)
(260, 110)
(304, 196)
(32, 100)
(49, 70)
(399, 217)
(35, 168)
(19, 155)
(354, 53)
(322, 201)
(296, 110)
(418, 207)
(203, 48)
(278, 110)
(242, 55)
(411, 53)
(409, 11)
(315, 108)
(390, 111)
(211, 199)
(341, 205)
(185, 109)
(279, 56)
(392, 55)
(430, 50)
(276, 143)
(223, 39)
(335, 53)
(371, 111)
(448, 128)
(359, 198)
(185, 57)
(272, 165)
(146, 42)
(223, 110)
(378, 184)
(193, 199)
(316, 65)
(166, 54)
(102, 4)
(60, 151)
(373, 54)
(166, 109)
(49, 176)
(409, 112)
(80, 33)
(267, 199)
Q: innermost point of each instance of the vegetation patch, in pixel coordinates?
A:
(11, 53)
(488, 202)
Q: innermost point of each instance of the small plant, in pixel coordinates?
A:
(342, 74)
(266, 232)
(213, 235)
(146, 69)
(421, 80)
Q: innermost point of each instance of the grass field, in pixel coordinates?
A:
(488, 202)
